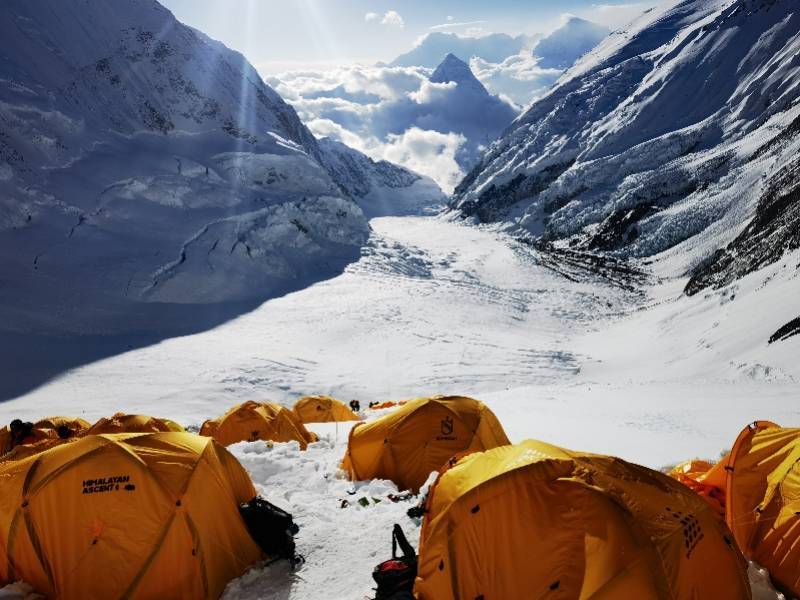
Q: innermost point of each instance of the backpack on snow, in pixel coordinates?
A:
(272, 528)
(395, 577)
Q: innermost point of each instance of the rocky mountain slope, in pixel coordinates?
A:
(147, 173)
(679, 133)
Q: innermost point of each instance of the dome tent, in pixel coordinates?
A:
(74, 425)
(51, 429)
(122, 423)
(323, 409)
(126, 516)
(251, 421)
(704, 479)
(409, 443)
(533, 520)
(763, 500)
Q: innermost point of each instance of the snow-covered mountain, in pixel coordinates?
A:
(147, 170)
(568, 43)
(679, 132)
(381, 188)
(456, 102)
(493, 48)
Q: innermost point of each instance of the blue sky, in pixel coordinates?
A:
(278, 35)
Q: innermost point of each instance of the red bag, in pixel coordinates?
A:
(395, 577)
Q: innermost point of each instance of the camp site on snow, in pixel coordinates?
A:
(399, 299)
(135, 506)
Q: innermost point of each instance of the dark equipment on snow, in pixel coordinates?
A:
(272, 528)
(355, 406)
(395, 577)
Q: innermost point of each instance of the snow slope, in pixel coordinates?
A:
(559, 352)
(661, 133)
(151, 184)
(153, 165)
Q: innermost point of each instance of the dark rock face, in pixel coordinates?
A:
(774, 231)
(620, 228)
(791, 329)
(493, 203)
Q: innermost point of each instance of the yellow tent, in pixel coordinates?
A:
(763, 500)
(48, 429)
(122, 423)
(420, 437)
(73, 425)
(135, 516)
(536, 521)
(253, 421)
(323, 409)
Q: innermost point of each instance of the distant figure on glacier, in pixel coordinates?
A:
(355, 406)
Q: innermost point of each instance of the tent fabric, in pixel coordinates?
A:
(251, 421)
(44, 430)
(122, 423)
(323, 409)
(140, 516)
(763, 500)
(76, 425)
(418, 438)
(536, 521)
(705, 479)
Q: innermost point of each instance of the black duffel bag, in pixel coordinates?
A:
(395, 577)
(272, 528)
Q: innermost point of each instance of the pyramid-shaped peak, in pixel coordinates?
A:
(453, 69)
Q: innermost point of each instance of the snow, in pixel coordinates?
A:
(151, 181)
(434, 306)
(207, 224)
(666, 114)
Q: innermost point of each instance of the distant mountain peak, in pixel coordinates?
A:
(569, 42)
(454, 70)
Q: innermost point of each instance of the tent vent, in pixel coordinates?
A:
(475, 508)
(441, 566)
(555, 585)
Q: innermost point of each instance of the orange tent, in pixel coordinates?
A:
(139, 516)
(323, 409)
(418, 438)
(763, 500)
(536, 521)
(706, 479)
(251, 421)
(122, 423)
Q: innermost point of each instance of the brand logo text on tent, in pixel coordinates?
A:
(446, 429)
(108, 484)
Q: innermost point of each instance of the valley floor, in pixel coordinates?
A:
(435, 307)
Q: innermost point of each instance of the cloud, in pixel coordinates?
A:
(371, 16)
(373, 109)
(451, 25)
(430, 153)
(518, 77)
(474, 31)
(393, 19)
